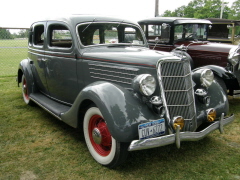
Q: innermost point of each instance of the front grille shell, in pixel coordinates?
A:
(176, 88)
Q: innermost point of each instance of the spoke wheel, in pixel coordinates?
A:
(102, 146)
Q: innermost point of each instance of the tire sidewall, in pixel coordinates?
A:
(104, 160)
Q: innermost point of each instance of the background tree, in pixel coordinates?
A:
(201, 9)
(212, 9)
(23, 33)
(179, 12)
(235, 11)
(5, 34)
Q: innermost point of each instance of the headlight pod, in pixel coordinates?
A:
(234, 58)
(234, 55)
(145, 84)
(206, 78)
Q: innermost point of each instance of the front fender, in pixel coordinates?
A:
(121, 110)
(228, 77)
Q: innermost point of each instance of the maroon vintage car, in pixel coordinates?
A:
(187, 38)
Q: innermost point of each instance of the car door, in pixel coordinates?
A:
(36, 53)
(61, 71)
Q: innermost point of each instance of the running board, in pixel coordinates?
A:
(53, 107)
(236, 93)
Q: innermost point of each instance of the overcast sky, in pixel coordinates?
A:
(22, 13)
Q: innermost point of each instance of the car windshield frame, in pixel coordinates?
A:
(190, 31)
(110, 34)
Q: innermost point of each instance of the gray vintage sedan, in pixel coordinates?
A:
(97, 73)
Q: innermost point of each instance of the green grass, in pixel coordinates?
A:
(35, 145)
(11, 53)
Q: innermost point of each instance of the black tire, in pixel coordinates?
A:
(25, 92)
(102, 146)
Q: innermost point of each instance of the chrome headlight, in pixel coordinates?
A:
(145, 84)
(234, 56)
(206, 77)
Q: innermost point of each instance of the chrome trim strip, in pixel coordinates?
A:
(179, 136)
(114, 67)
(110, 80)
(109, 75)
(102, 70)
(178, 76)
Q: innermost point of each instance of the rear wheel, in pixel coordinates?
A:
(102, 146)
(25, 92)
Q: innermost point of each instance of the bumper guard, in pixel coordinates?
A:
(179, 136)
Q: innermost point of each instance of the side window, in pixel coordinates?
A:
(38, 35)
(96, 37)
(154, 31)
(111, 35)
(60, 36)
(160, 32)
(178, 32)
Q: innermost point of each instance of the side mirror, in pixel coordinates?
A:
(165, 25)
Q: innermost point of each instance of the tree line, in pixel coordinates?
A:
(202, 9)
(6, 34)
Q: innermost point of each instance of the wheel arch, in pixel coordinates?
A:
(25, 68)
(120, 109)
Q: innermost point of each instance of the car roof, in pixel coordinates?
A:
(223, 21)
(81, 18)
(173, 20)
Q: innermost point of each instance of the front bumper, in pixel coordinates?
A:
(179, 136)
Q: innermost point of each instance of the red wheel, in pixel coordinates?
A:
(100, 136)
(25, 92)
(102, 146)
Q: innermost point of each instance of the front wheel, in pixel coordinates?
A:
(102, 146)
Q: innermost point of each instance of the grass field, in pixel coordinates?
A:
(35, 145)
(11, 53)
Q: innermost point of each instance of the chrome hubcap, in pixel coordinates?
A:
(97, 137)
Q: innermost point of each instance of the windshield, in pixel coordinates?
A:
(109, 33)
(190, 32)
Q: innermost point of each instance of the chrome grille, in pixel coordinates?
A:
(112, 73)
(177, 87)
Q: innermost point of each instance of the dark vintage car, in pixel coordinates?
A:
(188, 37)
(97, 73)
(224, 31)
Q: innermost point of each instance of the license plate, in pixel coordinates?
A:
(151, 129)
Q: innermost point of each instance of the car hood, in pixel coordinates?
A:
(138, 56)
(207, 46)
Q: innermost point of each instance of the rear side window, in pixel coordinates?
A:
(38, 35)
(60, 36)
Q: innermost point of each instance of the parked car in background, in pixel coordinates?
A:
(224, 31)
(188, 38)
(97, 73)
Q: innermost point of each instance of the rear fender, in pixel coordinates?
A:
(25, 68)
(121, 110)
